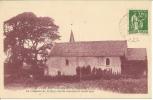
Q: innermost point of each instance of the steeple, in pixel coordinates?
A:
(72, 37)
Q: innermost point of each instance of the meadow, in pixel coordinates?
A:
(121, 85)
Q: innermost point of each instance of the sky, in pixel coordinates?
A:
(91, 20)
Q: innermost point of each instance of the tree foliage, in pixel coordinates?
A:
(28, 39)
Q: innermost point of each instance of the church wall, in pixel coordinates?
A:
(68, 67)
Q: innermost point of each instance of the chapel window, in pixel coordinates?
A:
(107, 61)
(66, 62)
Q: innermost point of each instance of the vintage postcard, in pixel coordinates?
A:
(75, 49)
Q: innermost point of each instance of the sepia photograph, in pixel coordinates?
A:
(76, 47)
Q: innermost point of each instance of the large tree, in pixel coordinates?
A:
(28, 39)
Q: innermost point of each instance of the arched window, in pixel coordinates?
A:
(59, 73)
(66, 62)
(107, 61)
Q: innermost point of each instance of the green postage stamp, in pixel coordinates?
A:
(138, 21)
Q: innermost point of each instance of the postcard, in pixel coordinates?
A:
(75, 49)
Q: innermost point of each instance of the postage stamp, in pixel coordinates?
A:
(138, 21)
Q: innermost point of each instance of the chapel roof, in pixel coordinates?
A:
(136, 54)
(89, 48)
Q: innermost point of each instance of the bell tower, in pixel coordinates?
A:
(72, 37)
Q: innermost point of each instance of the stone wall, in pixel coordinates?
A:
(67, 65)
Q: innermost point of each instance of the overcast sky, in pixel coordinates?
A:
(92, 21)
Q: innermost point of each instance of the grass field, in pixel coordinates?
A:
(114, 85)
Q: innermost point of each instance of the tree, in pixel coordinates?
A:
(28, 39)
(88, 69)
(78, 70)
